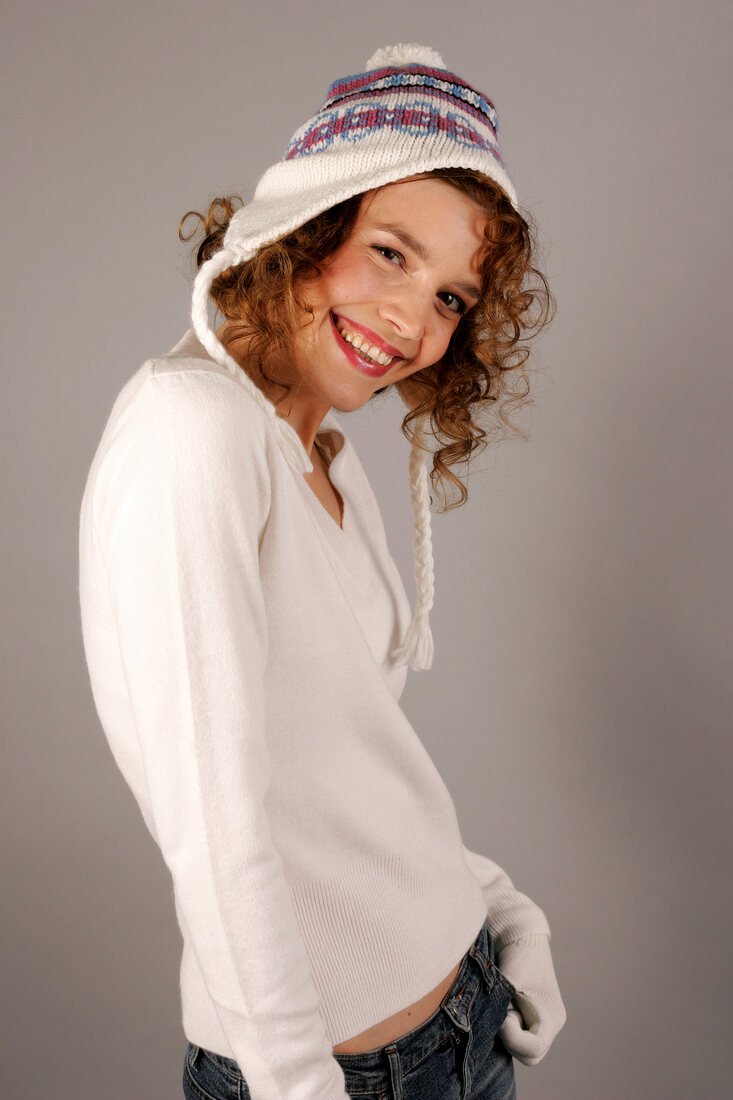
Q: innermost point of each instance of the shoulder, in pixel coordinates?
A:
(185, 425)
(189, 386)
(184, 398)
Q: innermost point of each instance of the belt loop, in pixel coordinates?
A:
(487, 969)
(395, 1076)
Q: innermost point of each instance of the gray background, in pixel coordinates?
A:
(579, 705)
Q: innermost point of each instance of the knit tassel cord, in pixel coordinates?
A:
(416, 648)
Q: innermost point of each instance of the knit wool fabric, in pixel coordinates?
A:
(406, 114)
(238, 642)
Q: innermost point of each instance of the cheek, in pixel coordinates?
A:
(351, 278)
(439, 342)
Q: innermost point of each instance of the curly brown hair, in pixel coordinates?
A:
(263, 302)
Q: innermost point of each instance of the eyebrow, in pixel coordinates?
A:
(421, 251)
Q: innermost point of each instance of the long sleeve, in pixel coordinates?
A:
(179, 511)
(511, 914)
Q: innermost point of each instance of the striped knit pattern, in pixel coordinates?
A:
(418, 101)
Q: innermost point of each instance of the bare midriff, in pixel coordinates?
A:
(394, 1027)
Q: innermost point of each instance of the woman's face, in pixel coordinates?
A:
(389, 299)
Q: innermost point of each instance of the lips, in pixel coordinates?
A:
(371, 337)
(365, 364)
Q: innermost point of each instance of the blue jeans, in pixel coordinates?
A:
(455, 1055)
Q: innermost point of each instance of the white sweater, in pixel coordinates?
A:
(238, 647)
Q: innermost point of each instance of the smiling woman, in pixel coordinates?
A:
(401, 308)
(248, 633)
(504, 306)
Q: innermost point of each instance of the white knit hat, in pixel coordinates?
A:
(404, 115)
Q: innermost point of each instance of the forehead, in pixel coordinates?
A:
(447, 223)
(422, 193)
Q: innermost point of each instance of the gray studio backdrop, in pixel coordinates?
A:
(579, 706)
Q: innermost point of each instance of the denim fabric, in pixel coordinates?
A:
(454, 1055)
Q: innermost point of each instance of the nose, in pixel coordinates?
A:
(407, 313)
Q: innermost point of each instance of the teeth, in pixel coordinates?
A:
(375, 354)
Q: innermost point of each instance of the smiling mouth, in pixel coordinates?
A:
(370, 353)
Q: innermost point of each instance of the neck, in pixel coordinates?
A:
(300, 407)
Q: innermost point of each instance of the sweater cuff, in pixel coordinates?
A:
(513, 916)
(532, 939)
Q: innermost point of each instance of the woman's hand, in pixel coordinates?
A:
(539, 1015)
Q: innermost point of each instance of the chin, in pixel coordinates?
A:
(347, 395)
(346, 405)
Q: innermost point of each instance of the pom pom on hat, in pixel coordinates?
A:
(404, 53)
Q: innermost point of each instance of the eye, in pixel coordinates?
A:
(390, 254)
(453, 302)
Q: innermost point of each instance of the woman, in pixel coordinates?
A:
(247, 631)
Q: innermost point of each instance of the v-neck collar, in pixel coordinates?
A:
(346, 545)
(332, 469)
(344, 538)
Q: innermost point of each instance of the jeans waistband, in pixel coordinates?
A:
(377, 1070)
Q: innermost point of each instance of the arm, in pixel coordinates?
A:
(180, 522)
(511, 914)
(521, 936)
